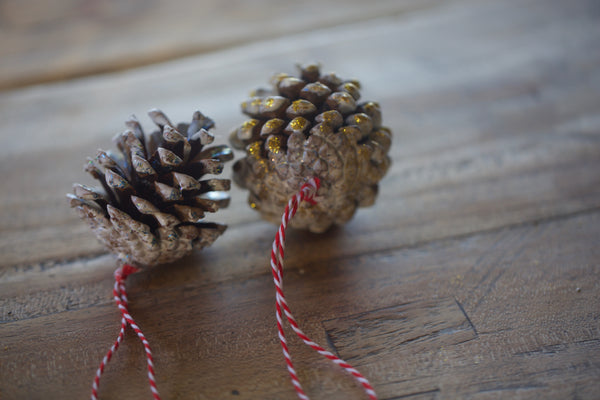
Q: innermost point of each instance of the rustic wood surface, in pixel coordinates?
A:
(475, 275)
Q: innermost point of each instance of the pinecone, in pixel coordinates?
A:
(150, 210)
(305, 127)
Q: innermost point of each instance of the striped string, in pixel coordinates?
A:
(307, 193)
(120, 295)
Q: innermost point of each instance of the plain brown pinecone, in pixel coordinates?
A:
(306, 126)
(151, 207)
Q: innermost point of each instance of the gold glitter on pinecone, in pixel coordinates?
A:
(151, 207)
(306, 126)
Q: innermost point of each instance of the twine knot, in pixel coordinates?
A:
(308, 191)
(122, 273)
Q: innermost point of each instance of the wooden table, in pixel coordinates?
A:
(475, 275)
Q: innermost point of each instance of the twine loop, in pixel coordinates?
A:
(120, 296)
(306, 193)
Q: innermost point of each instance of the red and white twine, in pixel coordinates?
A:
(120, 295)
(307, 193)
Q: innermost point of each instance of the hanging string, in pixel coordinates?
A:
(307, 193)
(120, 295)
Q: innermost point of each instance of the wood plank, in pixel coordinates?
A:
(474, 149)
(474, 276)
(421, 325)
(408, 318)
(43, 42)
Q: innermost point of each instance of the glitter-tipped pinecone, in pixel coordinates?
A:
(151, 206)
(307, 126)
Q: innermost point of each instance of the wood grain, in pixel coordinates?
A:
(450, 338)
(45, 42)
(514, 145)
(475, 275)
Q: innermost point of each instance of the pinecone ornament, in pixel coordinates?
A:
(151, 207)
(311, 126)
